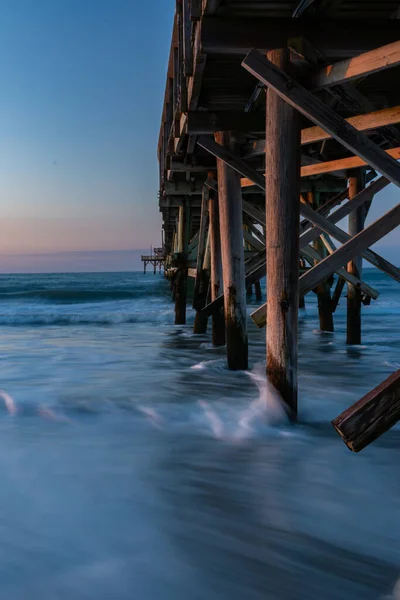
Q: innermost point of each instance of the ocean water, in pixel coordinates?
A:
(133, 464)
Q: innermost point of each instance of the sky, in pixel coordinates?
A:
(82, 85)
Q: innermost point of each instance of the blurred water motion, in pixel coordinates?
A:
(127, 473)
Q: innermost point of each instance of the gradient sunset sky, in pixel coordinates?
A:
(82, 85)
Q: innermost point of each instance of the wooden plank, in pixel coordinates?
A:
(352, 162)
(195, 10)
(309, 135)
(230, 217)
(370, 417)
(282, 170)
(334, 38)
(322, 115)
(365, 122)
(362, 65)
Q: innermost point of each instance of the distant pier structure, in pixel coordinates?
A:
(280, 120)
(156, 259)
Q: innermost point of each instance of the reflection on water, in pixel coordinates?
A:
(135, 465)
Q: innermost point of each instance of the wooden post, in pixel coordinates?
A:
(231, 228)
(257, 288)
(202, 274)
(218, 322)
(323, 289)
(180, 283)
(282, 243)
(356, 224)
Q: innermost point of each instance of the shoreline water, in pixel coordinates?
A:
(136, 464)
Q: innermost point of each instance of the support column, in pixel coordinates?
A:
(218, 321)
(257, 288)
(180, 283)
(282, 240)
(323, 289)
(231, 228)
(356, 224)
(202, 273)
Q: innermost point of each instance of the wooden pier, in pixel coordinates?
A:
(155, 259)
(280, 119)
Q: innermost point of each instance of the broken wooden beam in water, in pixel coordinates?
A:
(370, 417)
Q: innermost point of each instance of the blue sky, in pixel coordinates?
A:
(82, 85)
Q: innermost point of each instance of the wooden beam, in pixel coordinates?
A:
(310, 135)
(353, 247)
(370, 417)
(203, 122)
(346, 70)
(315, 110)
(343, 211)
(353, 162)
(254, 242)
(241, 167)
(334, 38)
(366, 122)
(311, 254)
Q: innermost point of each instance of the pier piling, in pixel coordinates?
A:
(231, 229)
(282, 243)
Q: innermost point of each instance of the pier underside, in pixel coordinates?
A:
(279, 120)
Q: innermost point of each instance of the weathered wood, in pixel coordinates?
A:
(218, 321)
(363, 197)
(353, 247)
(322, 115)
(313, 255)
(180, 278)
(370, 417)
(241, 167)
(337, 293)
(335, 38)
(356, 224)
(230, 215)
(282, 242)
(252, 241)
(362, 65)
(323, 291)
(202, 279)
(332, 166)
(343, 237)
(365, 122)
